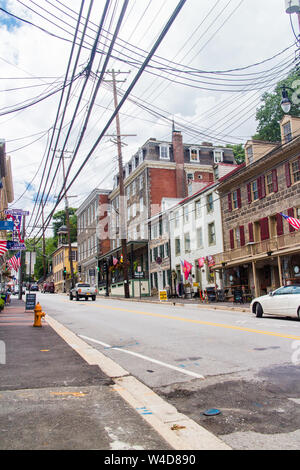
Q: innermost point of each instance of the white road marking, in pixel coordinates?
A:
(146, 358)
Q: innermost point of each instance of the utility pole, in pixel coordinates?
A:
(22, 262)
(122, 192)
(68, 219)
(44, 245)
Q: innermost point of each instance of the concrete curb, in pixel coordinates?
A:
(180, 304)
(185, 435)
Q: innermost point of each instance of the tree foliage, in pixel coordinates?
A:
(238, 152)
(269, 114)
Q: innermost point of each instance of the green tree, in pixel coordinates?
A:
(270, 113)
(50, 246)
(238, 152)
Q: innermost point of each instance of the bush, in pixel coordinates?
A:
(2, 303)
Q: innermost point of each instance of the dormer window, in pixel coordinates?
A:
(249, 152)
(194, 155)
(141, 156)
(218, 156)
(287, 132)
(164, 152)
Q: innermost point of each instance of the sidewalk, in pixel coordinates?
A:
(52, 398)
(186, 303)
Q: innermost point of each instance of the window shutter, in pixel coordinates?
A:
(288, 175)
(291, 214)
(249, 193)
(279, 225)
(250, 230)
(239, 199)
(242, 235)
(229, 202)
(231, 236)
(274, 180)
(263, 186)
(264, 228)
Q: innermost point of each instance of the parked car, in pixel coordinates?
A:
(284, 301)
(83, 290)
(48, 287)
(34, 287)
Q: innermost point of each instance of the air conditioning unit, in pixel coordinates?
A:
(292, 6)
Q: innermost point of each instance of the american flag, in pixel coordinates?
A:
(3, 247)
(15, 261)
(294, 222)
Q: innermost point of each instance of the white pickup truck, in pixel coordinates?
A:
(83, 290)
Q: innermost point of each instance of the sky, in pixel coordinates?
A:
(203, 76)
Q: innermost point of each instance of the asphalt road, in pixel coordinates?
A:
(198, 359)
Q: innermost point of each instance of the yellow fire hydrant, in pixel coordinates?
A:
(38, 314)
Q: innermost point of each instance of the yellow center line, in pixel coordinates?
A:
(198, 322)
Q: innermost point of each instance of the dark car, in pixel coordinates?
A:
(49, 287)
(34, 287)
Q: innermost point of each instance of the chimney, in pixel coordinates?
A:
(178, 153)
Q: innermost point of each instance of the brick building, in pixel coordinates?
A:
(92, 234)
(159, 170)
(261, 249)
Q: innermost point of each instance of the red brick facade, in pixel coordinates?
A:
(162, 183)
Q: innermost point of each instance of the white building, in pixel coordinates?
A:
(196, 234)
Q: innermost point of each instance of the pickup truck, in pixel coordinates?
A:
(83, 290)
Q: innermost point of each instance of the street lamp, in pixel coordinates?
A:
(285, 102)
(292, 6)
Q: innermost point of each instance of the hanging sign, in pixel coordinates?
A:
(6, 225)
(15, 246)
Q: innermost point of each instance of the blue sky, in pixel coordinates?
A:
(9, 21)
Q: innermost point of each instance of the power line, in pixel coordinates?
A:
(131, 86)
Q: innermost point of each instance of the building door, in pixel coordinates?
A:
(264, 279)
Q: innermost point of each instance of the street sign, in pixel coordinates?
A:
(30, 301)
(163, 295)
(16, 212)
(17, 246)
(138, 274)
(6, 225)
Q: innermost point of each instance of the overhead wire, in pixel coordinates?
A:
(128, 91)
(88, 68)
(59, 108)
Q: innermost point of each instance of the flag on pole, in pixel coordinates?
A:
(186, 268)
(294, 222)
(3, 247)
(15, 261)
